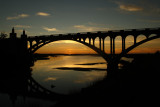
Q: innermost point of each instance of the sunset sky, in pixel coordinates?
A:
(45, 17)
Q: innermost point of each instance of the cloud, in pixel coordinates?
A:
(130, 7)
(50, 29)
(89, 28)
(18, 17)
(42, 14)
(22, 26)
(144, 7)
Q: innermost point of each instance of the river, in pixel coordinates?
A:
(69, 73)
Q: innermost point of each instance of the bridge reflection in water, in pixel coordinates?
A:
(16, 80)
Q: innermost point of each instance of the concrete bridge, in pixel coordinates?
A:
(36, 42)
(40, 41)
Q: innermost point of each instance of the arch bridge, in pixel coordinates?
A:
(149, 33)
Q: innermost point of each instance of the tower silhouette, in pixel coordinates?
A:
(24, 36)
(13, 35)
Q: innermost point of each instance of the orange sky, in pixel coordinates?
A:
(72, 47)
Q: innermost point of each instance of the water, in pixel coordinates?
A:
(69, 74)
(60, 74)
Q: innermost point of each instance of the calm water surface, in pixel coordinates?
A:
(74, 77)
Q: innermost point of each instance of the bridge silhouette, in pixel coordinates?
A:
(31, 44)
(149, 33)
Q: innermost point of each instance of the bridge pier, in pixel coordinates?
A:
(93, 41)
(84, 39)
(147, 35)
(111, 47)
(90, 41)
(37, 42)
(112, 67)
(80, 39)
(123, 43)
(103, 44)
(135, 39)
(100, 43)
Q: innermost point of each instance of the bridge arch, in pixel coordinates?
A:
(97, 50)
(138, 44)
(132, 34)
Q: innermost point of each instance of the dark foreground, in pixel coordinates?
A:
(137, 84)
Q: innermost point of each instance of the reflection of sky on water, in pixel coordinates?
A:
(66, 81)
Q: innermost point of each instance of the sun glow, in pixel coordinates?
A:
(65, 47)
(69, 41)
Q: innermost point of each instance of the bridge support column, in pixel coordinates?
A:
(135, 39)
(111, 47)
(112, 43)
(93, 41)
(100, 43)
(123, 44)
(112, 68)
(90, 41)
(84, 39)
(103, 45)
(37, 42)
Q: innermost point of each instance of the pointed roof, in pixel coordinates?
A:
(24, 32)
(13, 30)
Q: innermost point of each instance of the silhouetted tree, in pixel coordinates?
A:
(3, 35)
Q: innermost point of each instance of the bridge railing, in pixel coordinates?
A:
(95, 32)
